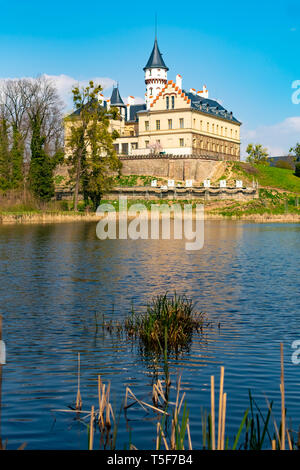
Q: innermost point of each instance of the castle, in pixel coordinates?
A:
(172, 121)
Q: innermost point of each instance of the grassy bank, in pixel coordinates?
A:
(271, 203)
(278, 201)
(266, 176)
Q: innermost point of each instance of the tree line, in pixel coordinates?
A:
(257, 154)
(31, 135)
(32, 140)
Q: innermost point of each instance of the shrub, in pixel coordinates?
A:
(168, 321)
(297, 170)
(285, 165)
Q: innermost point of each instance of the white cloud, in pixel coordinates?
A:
(65, 83)
(277, 138)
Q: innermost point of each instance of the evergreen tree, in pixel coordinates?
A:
(296, 151)
(92, 156)
(17, 152)
(41, 167)
(5, 156)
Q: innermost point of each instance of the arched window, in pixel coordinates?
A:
(167, 102)
(173, 101)
(151, 91)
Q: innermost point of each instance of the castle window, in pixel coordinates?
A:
(167, 102)
(173, 101)
(213, 128)
(151, 91)
(170, 123)
(194, 120)
(181, 123)
(181, 142)
(217, 131)
(146, 125)
(146, 143)
(157, 125)
(201, 125)
(207, 127)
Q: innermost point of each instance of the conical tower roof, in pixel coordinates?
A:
(155, 60)
(116, 99)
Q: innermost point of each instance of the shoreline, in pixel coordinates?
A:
(48, 217)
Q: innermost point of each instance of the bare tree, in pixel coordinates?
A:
(24, 103)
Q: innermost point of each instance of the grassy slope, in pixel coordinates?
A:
(279, 191)
(268, 176)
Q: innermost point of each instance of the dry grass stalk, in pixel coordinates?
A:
(143, 404)
(223, 420)
(189, 436)
(158, 393)
(91, 440)
(163, 436)
(212, 400)
(220, 407)
(282, 399)
(273, 444)
(78, 405)
(157, 435)
(289, 440)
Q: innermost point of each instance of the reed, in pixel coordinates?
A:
(78, 404)
(282, 399)
(167, 319)
(173, 422)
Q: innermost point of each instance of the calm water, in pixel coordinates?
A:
(55, 277)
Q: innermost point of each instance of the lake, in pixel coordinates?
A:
(56, 279)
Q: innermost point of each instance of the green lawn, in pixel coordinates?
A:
(269, 176)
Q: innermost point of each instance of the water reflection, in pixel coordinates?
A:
(55, 278)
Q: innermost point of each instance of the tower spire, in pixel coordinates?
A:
(155, 72)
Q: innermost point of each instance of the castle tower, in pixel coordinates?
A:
(155, 74)
(117, 101)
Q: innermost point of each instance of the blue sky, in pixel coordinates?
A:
(247, 53)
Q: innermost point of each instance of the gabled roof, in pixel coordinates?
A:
(198, 103)
(134, 109)
(208, 106)
(116, 99)
(155, 60)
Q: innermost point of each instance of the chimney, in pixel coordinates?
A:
(205, 92)
(108, 104)
(131, 100)
(100, 98)
(192, 90)
(179, 81)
